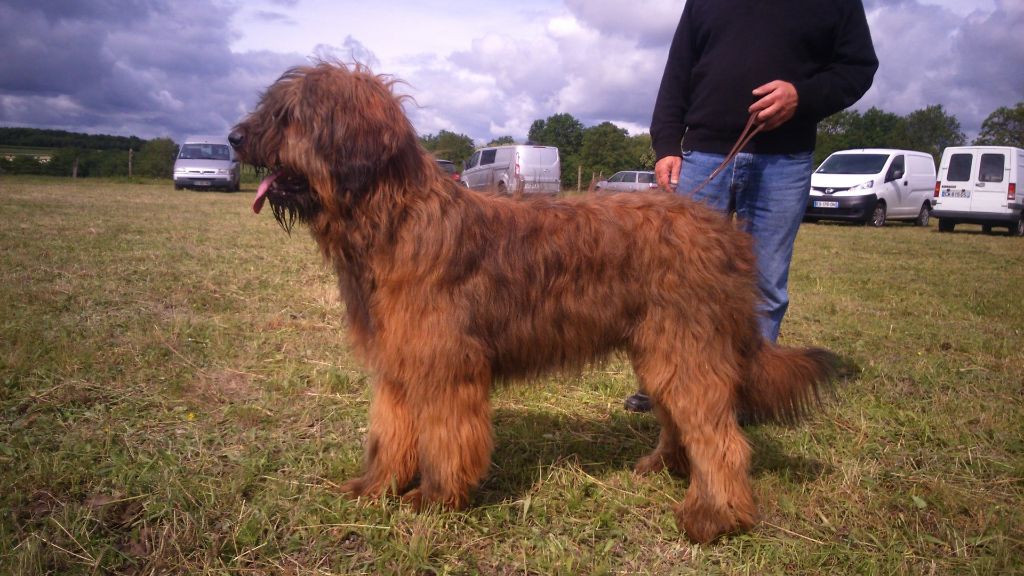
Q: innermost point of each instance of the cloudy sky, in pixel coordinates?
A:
(169, 68)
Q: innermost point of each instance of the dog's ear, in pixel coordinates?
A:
(360, 125)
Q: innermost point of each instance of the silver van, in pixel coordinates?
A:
(207, 162)
(515, 169)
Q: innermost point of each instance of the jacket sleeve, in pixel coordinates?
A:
(850, 73)
(668, 121)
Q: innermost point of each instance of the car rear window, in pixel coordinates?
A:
(646, 178)
(539, 156)
(991, 167)
(959, 167)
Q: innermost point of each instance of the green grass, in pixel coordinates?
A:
(176, 396)
(7, 150)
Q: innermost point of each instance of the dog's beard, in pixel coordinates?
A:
(291, 199)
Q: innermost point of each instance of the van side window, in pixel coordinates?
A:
(645, 177)
(473, 160)
(487, 157)
(991, 167)
(959, 168)
(896, 169)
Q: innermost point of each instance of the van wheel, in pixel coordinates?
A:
(877, 218)
(1018, 230)
(945, 225)
(924, 216)
(502, 189)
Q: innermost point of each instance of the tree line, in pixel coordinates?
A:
(600, 151)
(587, 152)
(61, 153)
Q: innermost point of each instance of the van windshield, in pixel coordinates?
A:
(853, 164)
(205, 152)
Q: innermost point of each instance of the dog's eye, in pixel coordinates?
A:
(280, 117)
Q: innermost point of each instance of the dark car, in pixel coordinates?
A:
(449, 167)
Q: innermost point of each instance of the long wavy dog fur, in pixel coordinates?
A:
(448, 290)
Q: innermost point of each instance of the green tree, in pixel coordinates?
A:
(503, 141)
(606, 150)
(835, 133)
(449, 146)
(561, 130)
(566, 133)
(930, 130)
(1003, 127)
(642, 154)
(878, 129)
(155, 158)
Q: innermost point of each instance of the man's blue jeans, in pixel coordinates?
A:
(769, 194)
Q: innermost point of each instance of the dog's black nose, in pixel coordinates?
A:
(236, 138)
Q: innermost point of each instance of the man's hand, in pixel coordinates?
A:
(776, 104)
(667, 172)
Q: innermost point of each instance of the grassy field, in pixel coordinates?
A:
(176, 397)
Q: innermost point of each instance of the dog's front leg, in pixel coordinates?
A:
(454, 443)
(391, 457)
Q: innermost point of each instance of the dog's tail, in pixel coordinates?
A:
(782, 384)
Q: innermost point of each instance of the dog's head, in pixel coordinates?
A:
(325, 135)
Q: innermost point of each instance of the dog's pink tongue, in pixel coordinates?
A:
(261, 192)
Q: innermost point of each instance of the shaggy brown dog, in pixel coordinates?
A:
(448, 290)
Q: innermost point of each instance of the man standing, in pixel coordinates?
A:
(791, 62)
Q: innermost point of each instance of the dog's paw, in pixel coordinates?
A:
(414, 498)
(657, 461)
(703, 523)
(354, 488)
(650, 464)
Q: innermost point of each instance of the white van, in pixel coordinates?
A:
(207, 162)
(514, 169)
(978, 185)
(873, 185)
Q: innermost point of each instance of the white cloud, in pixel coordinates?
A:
(481, 69)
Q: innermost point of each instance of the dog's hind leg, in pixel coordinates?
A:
(391, 457)
(669, 453)
(697, 390)
(455, 443)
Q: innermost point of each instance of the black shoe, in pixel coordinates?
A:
(638, 402)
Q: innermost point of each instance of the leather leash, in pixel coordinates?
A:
(749, 131)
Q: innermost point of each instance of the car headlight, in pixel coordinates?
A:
(863, 186)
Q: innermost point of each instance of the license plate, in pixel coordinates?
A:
(826, 204)
(955, 194)
(201, 183)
